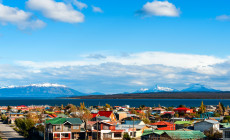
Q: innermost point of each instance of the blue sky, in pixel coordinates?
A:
(115, 46)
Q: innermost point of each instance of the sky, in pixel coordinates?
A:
(115, 46)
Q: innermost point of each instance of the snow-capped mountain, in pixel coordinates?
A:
(198, 88)
(155, 89)
(35, 85)
(39, 90)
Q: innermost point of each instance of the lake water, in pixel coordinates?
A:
(113, 102)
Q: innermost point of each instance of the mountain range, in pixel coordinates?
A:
(191, 88)
(41, 90)
(56, 90)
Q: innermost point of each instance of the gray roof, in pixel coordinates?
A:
(211, 121)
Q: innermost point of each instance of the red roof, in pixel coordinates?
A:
(22, 106)
(162, 123)
(94, 115)
(91, 122)
(182, 108)
(105, 113)
(117, 131)
(51, 116)
(167, 128)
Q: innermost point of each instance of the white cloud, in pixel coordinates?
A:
(19, 17)
(160, 8)
(80, 5)
(223, 18)
(58, 11)
(97, 9)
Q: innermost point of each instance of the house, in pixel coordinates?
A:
(107, 130)
(14, 116)
(64, 129)
(134, 131)
(207, 125)
(108, 114)
(101, 118)
(134, 128)
(177, 119)
(183, 110)
(158, 111)
(226, 133)
(133, 122)
(210, 108)
(120, 115)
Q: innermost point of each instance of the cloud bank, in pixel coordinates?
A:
(118, 73)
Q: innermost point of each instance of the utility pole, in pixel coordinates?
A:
(133, 127)
(45, 131)
(97, 128)
(44, 126)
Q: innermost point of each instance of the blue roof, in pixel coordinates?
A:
(16, 113)
(127, 122)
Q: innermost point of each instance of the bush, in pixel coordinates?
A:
(126, 136)
(25, 126)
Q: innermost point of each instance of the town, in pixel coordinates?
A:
(107, 122)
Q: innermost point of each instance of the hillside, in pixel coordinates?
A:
(162, 95)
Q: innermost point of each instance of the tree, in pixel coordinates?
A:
(82, 106)
(202, 108)
(146, 121)
(176, 115)
(9, 108)
(25, 126)
(182, 106)
(71, 108)
(86, 117)
(126, 136)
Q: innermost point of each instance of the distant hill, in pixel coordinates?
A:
(39, 90)
(162, 95)
(199, 88)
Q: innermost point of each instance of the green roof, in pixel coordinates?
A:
(176, 134)
(185, 134)
(150, 131)
(183, 122)
(63, 120)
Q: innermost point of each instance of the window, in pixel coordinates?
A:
(227, 134)
(58, 128)
(117, 135)
(105, 127)
(57, 135)
(76, 127)
(67, 128)
(65, 135)
(107, 135)
(131, 134)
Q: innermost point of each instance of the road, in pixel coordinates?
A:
(8, 132)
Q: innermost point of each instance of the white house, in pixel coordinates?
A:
(207, 125)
